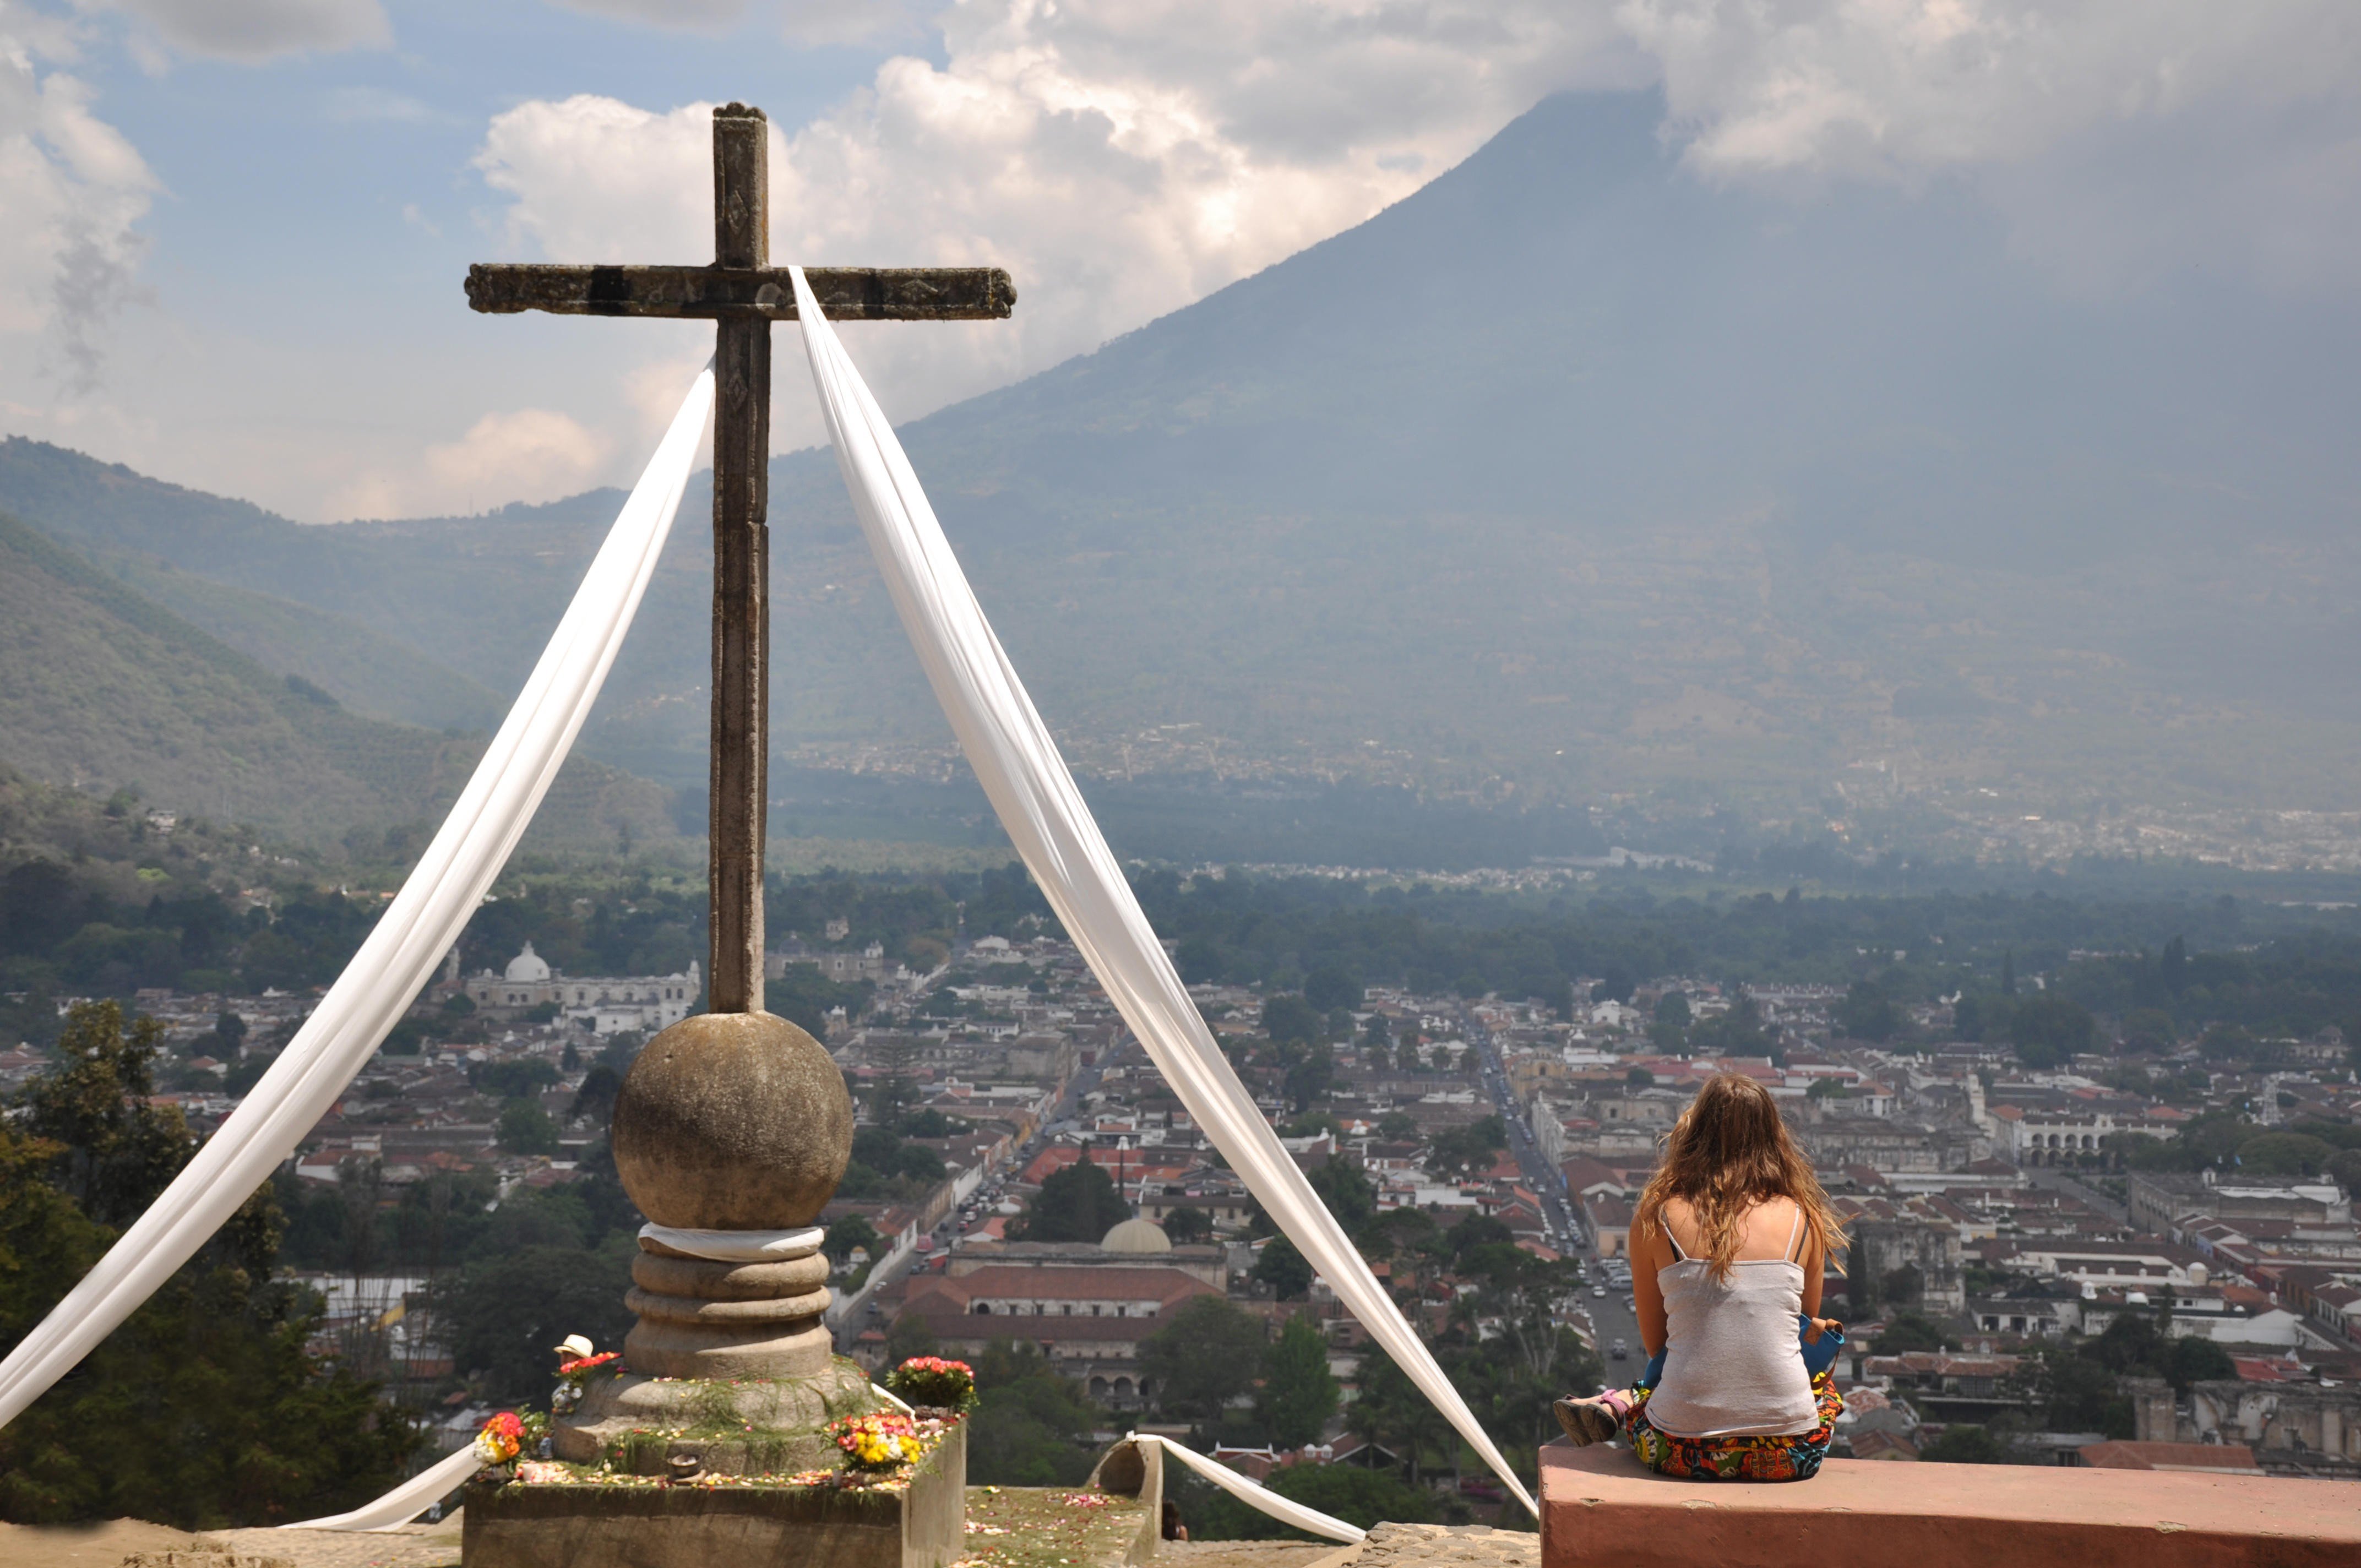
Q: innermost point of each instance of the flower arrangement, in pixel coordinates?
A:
(884, 1440)
(581, 1367)
(574, 1372)
(502, 1439)
(509, 1435)
(929, 1380)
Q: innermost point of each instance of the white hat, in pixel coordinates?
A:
(577, 1346)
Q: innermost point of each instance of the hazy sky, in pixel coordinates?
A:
(232, 232)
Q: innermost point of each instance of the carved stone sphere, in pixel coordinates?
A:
(732, 1122)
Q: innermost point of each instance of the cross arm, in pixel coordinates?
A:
(845, 293)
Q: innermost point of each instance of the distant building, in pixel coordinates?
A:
(841, 966)
(2166, 1202)
(607, 1005)
(1087, 1307)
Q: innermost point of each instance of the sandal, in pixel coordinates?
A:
(1588, 1421)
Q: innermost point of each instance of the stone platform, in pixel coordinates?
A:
(1598, 1507)
(737, 1525)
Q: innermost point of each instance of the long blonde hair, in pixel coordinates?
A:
(1730, 1151)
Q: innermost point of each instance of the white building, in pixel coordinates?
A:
(608, 1005)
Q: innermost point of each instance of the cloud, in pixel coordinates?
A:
(1895, 86)
(1120, 158)
(2120, 137)
(810, 22)
(527, 454)
(71, 189)
(259, 29)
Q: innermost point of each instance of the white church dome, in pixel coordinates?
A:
(528, 966)
(1136, 1236)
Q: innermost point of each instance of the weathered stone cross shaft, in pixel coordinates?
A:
(743, 294)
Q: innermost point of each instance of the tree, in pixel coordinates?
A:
(1965, 1446)
(1377, 1036)
(206, 1407)
(1284, 1269)
(1290, 1019)
(2286, 1154)
(1390, 1410)
(596, 1098)
(1031, 1426)
(1477, 1231)
(1076, 1204)
(525, 1128)
(1209, 1354)
(911, 1335)
(1464, 1151)
(500, 1315)
(890, 1096)
(1299, 1393)
(1397, 1127)
(2147, 1029)
(114, 1150)
(847, 1233)
(2049, 1030)
(1912, 1330)
(1867, 1012)
(1331, 986)
(1188, 1226)
(1310, 1071)
(1350, 1196)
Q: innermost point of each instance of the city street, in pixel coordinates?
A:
(1610, 1319)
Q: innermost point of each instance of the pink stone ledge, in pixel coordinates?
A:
(1599, 1509)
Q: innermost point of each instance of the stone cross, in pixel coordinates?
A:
(732, 1128)
(743, 294)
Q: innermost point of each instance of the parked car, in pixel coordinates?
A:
(1619, 1349)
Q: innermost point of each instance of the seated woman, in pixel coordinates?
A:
(1727, 1249)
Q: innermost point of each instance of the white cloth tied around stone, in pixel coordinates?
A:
(736, 1246)
(1028, 782)
(1254, 1494)
(401, 953)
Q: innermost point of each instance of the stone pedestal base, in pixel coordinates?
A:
(768, 1426)
(689, 1526)
(703, 1319)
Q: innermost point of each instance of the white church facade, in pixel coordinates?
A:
(607, 1005)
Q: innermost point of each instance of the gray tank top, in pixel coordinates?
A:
(1732, 1364)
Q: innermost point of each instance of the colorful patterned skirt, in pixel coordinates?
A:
(1793, 1458)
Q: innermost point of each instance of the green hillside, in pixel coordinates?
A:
(361, 667)
(106, 690)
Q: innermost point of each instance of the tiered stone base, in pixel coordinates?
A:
(754, 1426)
(734, 1526)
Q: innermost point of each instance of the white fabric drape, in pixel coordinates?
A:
(1254, 1494)
(1028, 784)
(405, 1502)
(417, 928)
(738, 1246)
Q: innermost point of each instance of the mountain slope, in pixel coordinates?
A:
(105, 690)
(1568, 477)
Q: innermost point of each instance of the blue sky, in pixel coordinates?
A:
(232, 232)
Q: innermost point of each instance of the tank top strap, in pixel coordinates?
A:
(1794, 1232)
(1671, 1240)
